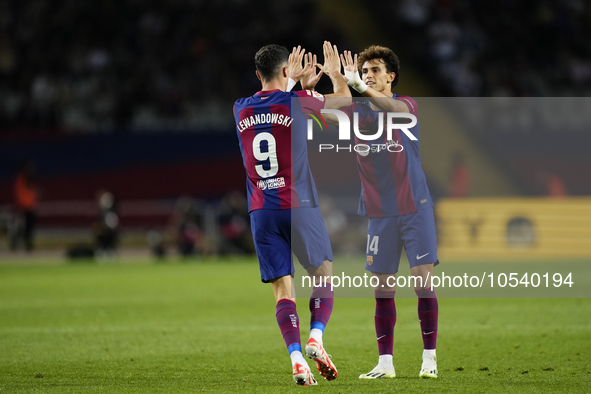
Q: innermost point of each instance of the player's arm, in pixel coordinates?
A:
(353, 80)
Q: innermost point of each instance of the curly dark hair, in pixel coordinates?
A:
(269, 59)
(385, 56)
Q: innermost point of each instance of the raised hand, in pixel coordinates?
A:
(349, 64)
(294, 63)
(332, 63)
(310, 78)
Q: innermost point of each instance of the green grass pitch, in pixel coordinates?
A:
(209, 326)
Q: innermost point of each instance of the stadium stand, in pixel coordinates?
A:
(123, 95)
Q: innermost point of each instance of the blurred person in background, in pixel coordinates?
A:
(185, 227)
(550, 184)
(555, 186)
(235, 225)
(26, 200)
(106, 226)
(459, 186)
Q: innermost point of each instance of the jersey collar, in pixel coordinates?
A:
(265, 92)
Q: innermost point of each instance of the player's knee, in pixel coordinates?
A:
(322, 271)
(387, 282)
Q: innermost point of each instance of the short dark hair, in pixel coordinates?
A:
(387, 57)
(269, 59)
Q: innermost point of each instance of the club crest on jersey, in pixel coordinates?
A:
(369, 260)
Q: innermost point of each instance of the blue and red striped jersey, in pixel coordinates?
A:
(271, 130)
(392, 180)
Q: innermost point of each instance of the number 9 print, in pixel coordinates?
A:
(270, 155)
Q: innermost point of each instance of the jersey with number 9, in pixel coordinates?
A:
(271, 130)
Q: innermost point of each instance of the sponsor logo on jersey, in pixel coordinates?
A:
(314, 93)
(272, 183)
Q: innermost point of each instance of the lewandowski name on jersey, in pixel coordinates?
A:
(253, 120)
(271, 129)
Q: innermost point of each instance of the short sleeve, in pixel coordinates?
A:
(411, 103)
(311, 99)
(365, 115)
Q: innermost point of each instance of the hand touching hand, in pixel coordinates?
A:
(332, 63)
(294, 63)
(310, 78)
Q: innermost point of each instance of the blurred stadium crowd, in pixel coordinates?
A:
(85, 65)
(126, 73)
(178, 64)
(500, 48)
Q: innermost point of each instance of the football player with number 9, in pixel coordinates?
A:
(282, 198)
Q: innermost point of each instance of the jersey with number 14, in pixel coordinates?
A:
(392, 179)
(271, 130)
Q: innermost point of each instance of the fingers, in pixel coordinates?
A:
(330, 50)
(297, 54)
(347, 60)
(301, 54)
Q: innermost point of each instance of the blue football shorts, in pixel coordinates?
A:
(278, 233)
(415, 232)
